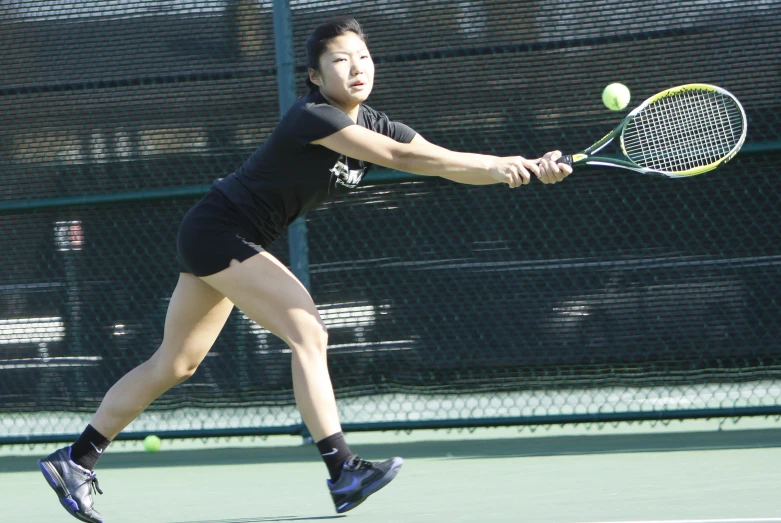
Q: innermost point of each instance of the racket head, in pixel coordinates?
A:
(684, 131)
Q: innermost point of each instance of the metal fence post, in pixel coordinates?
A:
(286, 82)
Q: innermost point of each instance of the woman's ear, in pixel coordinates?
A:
(314, 77)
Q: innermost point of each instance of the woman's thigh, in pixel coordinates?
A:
(196, 315)
(266, 291)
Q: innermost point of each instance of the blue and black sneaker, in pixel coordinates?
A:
(360, 479)
(74, 485)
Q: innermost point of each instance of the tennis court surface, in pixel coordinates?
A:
(728, 476)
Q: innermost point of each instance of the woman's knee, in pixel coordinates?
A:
(308, 337)
(172, 370)
(183, 370)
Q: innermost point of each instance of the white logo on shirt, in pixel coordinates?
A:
(254, 246)
(346, 176)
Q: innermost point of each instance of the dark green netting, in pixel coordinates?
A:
(608, 294)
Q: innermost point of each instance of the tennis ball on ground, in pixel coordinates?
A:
(152, 444)
(615, 96)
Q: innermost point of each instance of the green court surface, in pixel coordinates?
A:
(704, 477)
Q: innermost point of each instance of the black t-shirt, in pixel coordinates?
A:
(288, 175)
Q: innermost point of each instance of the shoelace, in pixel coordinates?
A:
(356, 463)
(93, 481)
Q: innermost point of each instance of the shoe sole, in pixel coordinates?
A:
(374, 487)
(55, 481)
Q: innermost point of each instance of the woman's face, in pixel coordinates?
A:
(346, 74)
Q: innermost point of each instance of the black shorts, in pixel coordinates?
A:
(212, 234)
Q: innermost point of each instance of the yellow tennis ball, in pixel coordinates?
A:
(615, 96)
(152, 444)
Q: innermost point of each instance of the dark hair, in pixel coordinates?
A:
(318, 41)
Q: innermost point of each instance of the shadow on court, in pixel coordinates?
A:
(462, 449)
(264, 519)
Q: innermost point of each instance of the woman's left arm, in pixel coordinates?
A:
(550, 171)
(423, 157)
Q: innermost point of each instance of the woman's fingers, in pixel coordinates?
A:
(550, 170)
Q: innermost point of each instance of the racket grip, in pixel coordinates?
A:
(567, 159)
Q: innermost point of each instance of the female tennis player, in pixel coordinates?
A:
(322, 146)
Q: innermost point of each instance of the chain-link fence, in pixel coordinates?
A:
(610, 296)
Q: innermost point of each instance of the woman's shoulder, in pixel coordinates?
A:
(373, 119)
(379, 122)
(311, 118)
(313, 107)
(313, 101)
(372, 113)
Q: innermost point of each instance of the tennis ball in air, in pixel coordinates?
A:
(615, 96)
(152, 444)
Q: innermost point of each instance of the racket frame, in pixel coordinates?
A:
(587, 156)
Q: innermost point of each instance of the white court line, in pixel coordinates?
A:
(739, 520)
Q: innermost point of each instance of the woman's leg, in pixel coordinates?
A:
(196, 314)
(267, 292)
(195, 317)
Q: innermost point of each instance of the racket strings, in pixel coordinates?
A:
(684, 131)
(682, 128)
(687, 132)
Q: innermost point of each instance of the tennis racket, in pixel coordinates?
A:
(680, 132)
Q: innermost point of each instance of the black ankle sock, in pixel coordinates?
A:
(335, 452)
(86, 451)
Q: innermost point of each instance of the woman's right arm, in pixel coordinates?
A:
(425, 158)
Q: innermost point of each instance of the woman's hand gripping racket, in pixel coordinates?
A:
(680, 132)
